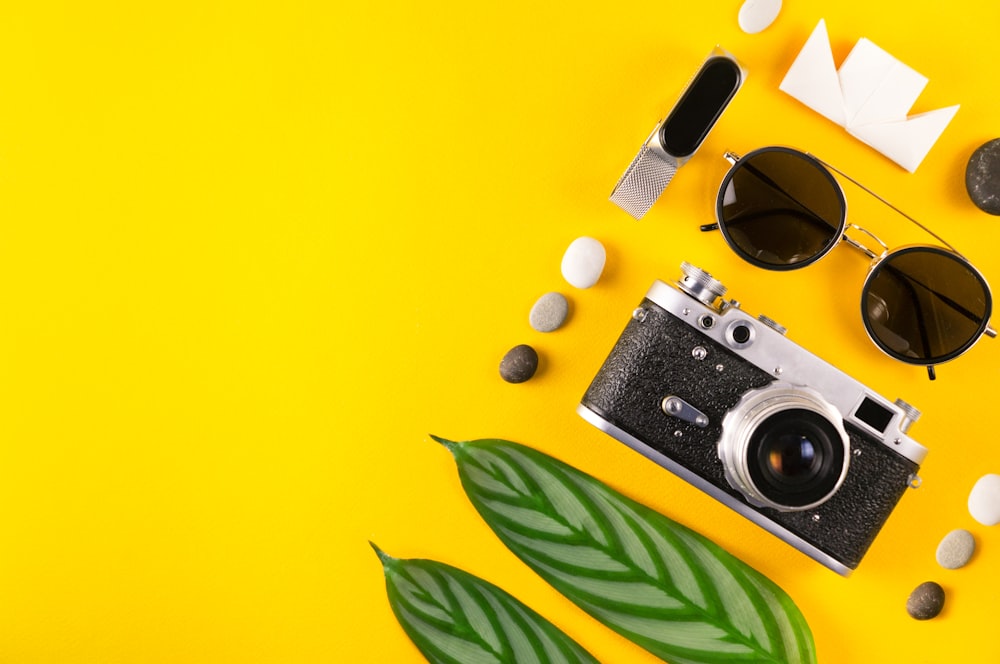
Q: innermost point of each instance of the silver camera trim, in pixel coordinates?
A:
(739, 424)
(773, 353)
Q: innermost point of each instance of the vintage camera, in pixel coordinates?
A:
(728, 403)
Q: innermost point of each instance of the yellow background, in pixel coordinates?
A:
(252, 253)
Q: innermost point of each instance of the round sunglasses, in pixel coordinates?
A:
(782, 209)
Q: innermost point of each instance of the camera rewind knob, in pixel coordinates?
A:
(700, 284)
(910, 415)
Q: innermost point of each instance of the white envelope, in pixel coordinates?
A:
(870, 96)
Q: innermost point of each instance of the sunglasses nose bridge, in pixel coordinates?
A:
(862, 248)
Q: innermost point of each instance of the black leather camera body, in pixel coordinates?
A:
(728, 403)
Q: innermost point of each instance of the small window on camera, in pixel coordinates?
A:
(874, 415)
(739, 334)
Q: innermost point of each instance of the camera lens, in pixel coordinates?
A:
(795, 457)
(784, 447)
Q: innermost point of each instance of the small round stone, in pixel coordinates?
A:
(984, 500)
(583, 262)
(519, 364)
(549, 312)
(755, 15)
(982, 177)
(956, 549)
(926, 601)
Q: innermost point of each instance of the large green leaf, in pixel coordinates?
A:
(660, 584)
(454, 617)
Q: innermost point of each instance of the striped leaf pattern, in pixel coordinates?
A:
(454, 617)
(656, 582)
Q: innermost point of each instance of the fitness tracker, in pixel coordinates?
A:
(675, 139)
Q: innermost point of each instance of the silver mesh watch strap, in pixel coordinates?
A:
(643, 181)
(684, 129)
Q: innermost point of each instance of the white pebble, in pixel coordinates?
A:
(756, 15)
(984, 500)
(549, 312)
(583, 262)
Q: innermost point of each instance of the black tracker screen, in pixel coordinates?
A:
(702, 104)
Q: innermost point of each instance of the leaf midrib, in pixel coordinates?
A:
(535, 503)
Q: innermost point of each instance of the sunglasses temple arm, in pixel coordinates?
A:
(709, 227)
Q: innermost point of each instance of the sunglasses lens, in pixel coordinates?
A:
(925, 305)
(780, 209)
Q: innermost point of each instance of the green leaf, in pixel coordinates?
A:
(667, 588)
(454, 617)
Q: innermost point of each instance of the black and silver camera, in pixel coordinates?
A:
(728, 403)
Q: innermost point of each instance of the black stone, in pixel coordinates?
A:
(926, 601)
(519, 364)
(982, 177)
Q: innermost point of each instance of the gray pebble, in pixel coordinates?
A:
(519, 364)
(982, 177)
(926, 601)
(549, 312)
(956, 549)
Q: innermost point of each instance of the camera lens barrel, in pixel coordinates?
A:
(785, 447)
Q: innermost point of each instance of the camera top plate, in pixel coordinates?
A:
(763, 343)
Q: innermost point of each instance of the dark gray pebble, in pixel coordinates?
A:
(519, 364)
(982, 177)
(926, 601)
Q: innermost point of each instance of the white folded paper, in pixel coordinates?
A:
(870, 96)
